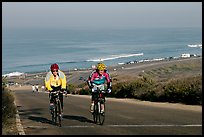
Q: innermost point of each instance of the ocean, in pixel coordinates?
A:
(34, 50)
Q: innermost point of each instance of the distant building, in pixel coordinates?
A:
(185, 55)
(193, 55)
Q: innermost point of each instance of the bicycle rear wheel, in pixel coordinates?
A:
(101, 114)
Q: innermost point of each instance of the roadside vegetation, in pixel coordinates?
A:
(8, 111)
(176, 83)
(181, 90)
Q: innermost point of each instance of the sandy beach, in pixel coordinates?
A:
(119, 73)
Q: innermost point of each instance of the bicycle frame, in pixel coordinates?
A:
(57, 108)
(98, 116)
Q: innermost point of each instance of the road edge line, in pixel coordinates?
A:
(18, 122)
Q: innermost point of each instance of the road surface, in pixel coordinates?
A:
(123, 116)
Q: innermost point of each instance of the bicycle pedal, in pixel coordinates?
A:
(102, 111)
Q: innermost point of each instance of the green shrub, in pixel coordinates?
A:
(186, 90)
(182, 90)
(71, 89)
(8, 106)
(134, 89)
(84, 91)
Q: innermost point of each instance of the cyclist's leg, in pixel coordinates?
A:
(61, 99)
(102, 102)
(93, 97)
(104, 97)
(51, 101)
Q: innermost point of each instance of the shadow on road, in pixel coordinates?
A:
(40, 119)
(27, 112)
(79, 118)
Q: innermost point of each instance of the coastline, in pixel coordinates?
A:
(125, 72)
(94, 62)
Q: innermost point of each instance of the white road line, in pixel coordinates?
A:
(197, 125)
(78, 126)
(45, 127)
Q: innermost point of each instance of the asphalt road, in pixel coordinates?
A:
(123, 117)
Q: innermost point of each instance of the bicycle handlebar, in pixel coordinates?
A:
(55, 92)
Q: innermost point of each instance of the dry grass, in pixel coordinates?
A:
(9, 128)
(8, 112)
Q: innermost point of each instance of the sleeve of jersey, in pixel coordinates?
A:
(108, 77)
(92, 76)
(47, 81)
(63, 78)
(89, 80)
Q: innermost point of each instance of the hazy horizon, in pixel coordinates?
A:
(101, 15)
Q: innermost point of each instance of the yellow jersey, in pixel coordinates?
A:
(59, 80)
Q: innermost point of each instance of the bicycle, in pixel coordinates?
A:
(57, 109)
(98, 115)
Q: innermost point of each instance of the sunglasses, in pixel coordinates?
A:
(54, 70)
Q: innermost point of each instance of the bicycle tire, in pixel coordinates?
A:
(53, 115)
(59, 112)
(101, 115)
(95, 112)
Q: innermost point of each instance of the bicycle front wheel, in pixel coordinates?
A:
(59, 113)
(53, 115)
(95, 113)
(101, 114)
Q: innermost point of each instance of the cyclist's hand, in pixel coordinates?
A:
(64, 91)
(92, 90)
(108, 90)
(91, 86)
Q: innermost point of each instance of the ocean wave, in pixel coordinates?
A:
(13, 74)
(195, 45)
(114, 57)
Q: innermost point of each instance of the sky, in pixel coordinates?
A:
(108, 15)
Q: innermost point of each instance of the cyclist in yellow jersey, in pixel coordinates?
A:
(55, 80)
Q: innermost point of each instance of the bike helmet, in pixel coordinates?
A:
(54, 66)
(101, 66)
